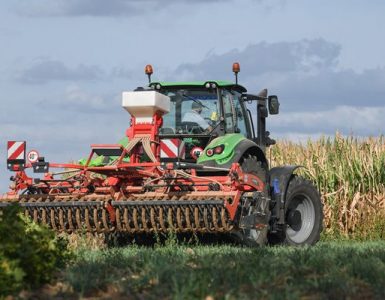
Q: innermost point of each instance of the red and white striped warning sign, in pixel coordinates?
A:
(172, 148)
(16, 150)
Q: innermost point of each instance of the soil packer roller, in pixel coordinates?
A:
(193, 160)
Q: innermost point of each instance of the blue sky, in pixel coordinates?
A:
(64, 64)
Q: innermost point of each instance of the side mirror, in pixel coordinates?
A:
(273, 105)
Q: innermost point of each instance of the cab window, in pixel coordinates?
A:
(234, 114)
(191, 111)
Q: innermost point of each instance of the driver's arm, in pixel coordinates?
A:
(203, 123)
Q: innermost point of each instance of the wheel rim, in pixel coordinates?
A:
(303, 205)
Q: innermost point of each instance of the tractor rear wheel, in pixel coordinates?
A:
(256, 237)
(303, 215)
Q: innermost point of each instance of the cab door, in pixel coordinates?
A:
(236, 117)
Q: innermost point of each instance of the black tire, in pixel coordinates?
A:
(303, 215)
(254, 237)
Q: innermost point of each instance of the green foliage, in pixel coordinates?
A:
(327, 271)
(29, 253)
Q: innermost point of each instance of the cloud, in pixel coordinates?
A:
(122, 72)
(327, 89)
(261, 58)
(303, 73)
(362, 121)
(98, 8)
(43, 71)
(317, 97)
(76, 98)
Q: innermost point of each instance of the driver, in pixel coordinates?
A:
(194, 116)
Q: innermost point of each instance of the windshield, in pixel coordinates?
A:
(192, 111)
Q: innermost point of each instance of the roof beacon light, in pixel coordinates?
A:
(148, 70)
(236, 70)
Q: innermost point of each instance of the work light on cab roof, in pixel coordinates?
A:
(193, 160)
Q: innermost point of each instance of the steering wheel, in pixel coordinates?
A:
(209, 121)
(192, 128)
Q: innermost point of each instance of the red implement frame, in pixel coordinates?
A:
(123, 180)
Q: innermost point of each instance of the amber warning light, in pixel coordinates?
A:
(148, 70)
(236, 67)
(236, 70)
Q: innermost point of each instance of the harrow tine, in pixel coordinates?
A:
(35, 215)
(126, 220)
(144, 220)
(105, 221)
(178, 219)
(135, 219)
(215, 220)
(78, 218)
(87, 220)
(196, 218)
(96, 220)
(170, 220)
(161, 219)
(53, 219)
(69, 218)
(152, 217)
(44, 216)
(118, 222)
(205, 220)
(187, 218)
(61, 220)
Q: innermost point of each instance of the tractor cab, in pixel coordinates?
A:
(202, 111)
(204, 108)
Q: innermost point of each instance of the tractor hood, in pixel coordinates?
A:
(221, 149)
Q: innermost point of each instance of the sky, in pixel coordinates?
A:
(65, 63)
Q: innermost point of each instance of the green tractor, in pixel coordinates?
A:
(220, 123)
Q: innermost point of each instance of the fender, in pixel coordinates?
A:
(279, 181)
(249, 147)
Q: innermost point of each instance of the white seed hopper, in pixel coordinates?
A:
(143, 104)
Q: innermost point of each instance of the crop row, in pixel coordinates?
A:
(350, 174)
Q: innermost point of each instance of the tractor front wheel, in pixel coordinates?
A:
(303, 214)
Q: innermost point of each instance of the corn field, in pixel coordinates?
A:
(350, 175)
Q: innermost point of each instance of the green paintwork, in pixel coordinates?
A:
(100, 160)
(230, 141)
(219, 83)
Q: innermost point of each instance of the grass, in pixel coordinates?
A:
(350, 174)
(330, 270)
